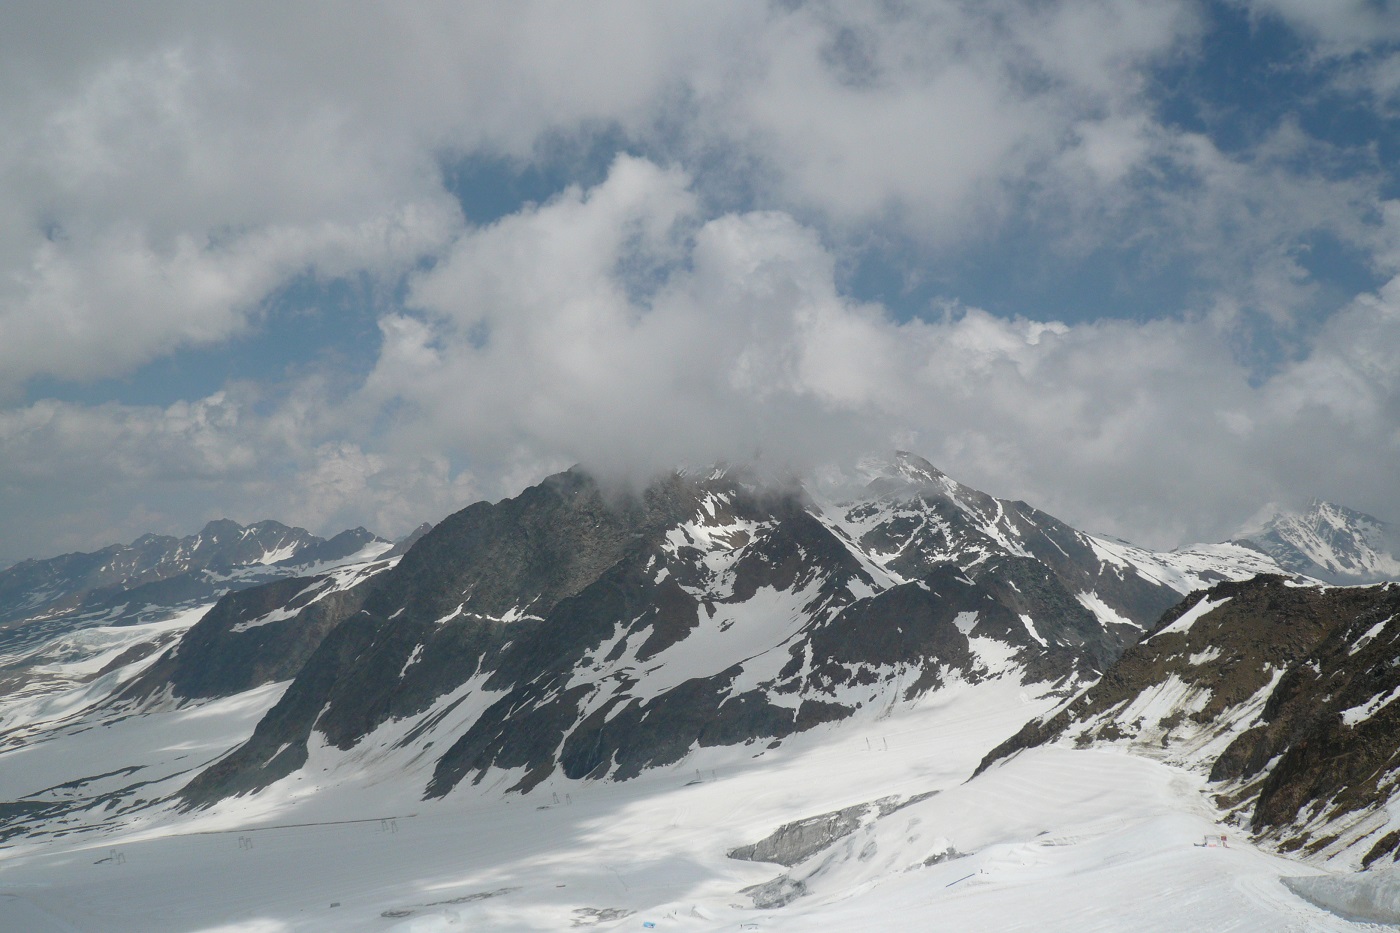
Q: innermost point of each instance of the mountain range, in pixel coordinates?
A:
(156, 575)
(582, 636)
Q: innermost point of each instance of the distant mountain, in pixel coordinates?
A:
(156, 576)
(1281, 694)
(1331, 543)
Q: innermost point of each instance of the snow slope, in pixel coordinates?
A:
(1053, 840)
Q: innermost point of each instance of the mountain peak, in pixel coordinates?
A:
(1329, 542)
(916, 469)
(902, 468)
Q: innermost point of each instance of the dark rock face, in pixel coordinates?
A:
(522, 593)
(253, 637)
(1333, 719)
(596, 634)
(1302, 678)
(402, 545)
(338, 548)
(1035, 562)
(1232, 651)
(779, 892)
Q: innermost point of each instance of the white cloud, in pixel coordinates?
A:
(164, 170)
(149, 209)
(618, 326)
(1343, 26)
(939, 115)
(77, 477)
(1149, 430)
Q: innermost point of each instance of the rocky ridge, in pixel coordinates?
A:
(1281, 693)
(56, 612)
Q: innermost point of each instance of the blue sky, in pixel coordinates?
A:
(1136, 262)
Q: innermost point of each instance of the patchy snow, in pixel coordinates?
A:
(1347, 546)
(1359, 714)
(280, 614)
(1029, 623)
(1191, 616)
(451, 615)
(87, 651)
(413, 658)
(849, 533)
(274, 555)
(164, 746)
(1102, 611)
(1142, 717)
(740, 633)
(1187, 569)
(1201, 657)
(69, 684)
(1368, 635)
(335, 580)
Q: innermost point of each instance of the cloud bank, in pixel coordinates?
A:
(166, 176)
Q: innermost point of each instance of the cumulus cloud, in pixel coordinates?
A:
(165, 170)
(942, 116)
(77, 477)
(530, 343)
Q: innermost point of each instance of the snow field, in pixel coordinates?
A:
(1055, 839)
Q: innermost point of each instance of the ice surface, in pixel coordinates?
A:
(1373, 897)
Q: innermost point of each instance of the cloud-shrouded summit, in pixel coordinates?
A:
(1138, 263)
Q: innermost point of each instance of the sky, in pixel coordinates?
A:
(1136, 262)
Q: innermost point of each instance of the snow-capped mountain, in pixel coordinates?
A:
(690, 688)
(596, 635)
(1329, 542)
